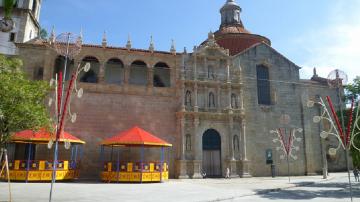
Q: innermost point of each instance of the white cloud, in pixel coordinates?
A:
(334, 46)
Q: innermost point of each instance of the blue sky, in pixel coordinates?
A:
(321, 33)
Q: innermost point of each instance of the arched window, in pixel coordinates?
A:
(138, 73)
(188, 142)
(114, 71)
(211, 100)
(234, 101)
(188, 98)
(211, 74)
(263, 85)
(92, 75)
(161, 75)
(60, 65)
(236, 144)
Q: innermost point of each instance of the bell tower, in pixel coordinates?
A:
(230, 14)
(25, 15)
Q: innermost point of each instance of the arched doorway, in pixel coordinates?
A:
(212, 153)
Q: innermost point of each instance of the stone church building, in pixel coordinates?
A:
(216, 104)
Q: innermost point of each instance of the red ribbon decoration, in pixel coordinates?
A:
(66, 103)
(350, 115)
(336, 120)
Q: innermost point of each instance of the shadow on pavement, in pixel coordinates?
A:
(322, 190)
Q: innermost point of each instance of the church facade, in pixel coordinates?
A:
(216, 104)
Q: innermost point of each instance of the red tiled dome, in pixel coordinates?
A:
(237, 42)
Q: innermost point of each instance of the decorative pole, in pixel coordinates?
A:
(345, 136)
(67, 45)
(287, 141)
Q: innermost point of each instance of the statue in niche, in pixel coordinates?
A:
(234, 103)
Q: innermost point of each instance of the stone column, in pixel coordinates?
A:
(183, 94)
(101, 76)
(196, 106)
(206, 96)
(232, 161)
(197, 163)
(195, 66)
(206, 67)
(218, 106)
(150, 77)
(182, 163)
(231, 145)
(242, 99)
(219, 67)
(245, 163)
(229, 95)
(127, 74)
(228, 79)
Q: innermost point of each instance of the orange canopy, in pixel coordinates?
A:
(42, 136)
(135, 137)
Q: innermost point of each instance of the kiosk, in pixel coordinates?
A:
(29, 169)
(134, 171)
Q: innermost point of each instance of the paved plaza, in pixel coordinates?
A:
(310, 188)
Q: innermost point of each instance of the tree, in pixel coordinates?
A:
(353, 90)
(8, 7)
(21, 100)
(43, 33)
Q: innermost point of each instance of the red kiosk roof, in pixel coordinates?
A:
(135, 137)
(42, 136)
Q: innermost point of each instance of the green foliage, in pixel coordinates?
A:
(353, 90)
(8, 7)
(43, 33)
(21, 100)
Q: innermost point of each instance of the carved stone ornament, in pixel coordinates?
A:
(7, 24)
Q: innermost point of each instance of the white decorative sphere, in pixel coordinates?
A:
(73, 118)
(332, 151)
(317, 119)
(80, 93)
(324, 134)
(50, 144)
(67, 144)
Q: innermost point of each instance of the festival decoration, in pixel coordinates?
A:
(338, 128)
(286, 141)
(67, 45)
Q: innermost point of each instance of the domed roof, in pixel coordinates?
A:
(230, 4)
(231, 30)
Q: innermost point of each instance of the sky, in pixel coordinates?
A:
(312, 33)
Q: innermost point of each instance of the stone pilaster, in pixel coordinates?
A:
(197, 163)
(233, 168)
(218, 102)
(245, 163)
(182, 169)
(231, 144)
(196, 105)
(195, 66)
(101, 76)
(206, 89)
(127, 74)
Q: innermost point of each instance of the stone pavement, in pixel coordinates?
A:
(173, 190)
